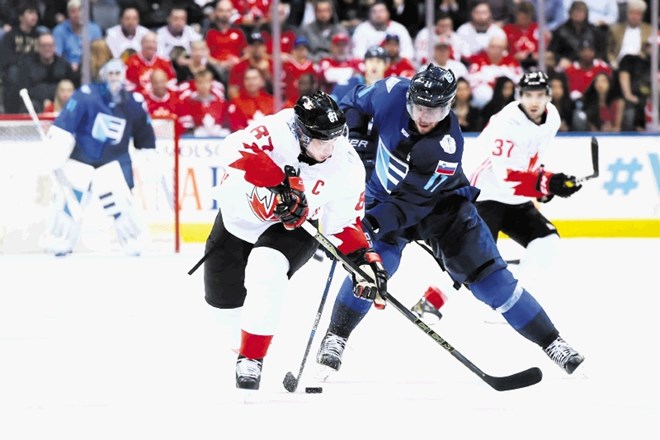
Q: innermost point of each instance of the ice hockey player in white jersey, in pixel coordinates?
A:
(88, 147)
(288, 168)
(511, 177)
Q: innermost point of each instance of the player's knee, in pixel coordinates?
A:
(499, 289)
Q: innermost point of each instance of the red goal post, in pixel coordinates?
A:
(26, 189)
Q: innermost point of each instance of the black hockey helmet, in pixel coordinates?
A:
(319, 117)
(432, 86)
(535, 81)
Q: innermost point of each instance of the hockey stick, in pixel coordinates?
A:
(521, 379)
(57, 173)
(594, 163)
(290, 381)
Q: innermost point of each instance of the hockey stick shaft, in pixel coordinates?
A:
(57, 173)
(521, 379)
(594, 162)
(291, 382)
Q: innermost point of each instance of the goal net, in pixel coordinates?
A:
(27, 188)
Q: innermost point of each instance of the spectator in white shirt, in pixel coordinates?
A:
(127, 34)
(373, 31)
(177, 32)
(478, 32)
(443, 29)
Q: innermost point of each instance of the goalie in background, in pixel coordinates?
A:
(88, 147)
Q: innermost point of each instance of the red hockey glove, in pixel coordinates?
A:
(291, 204)
(371, 264)
(558, 184)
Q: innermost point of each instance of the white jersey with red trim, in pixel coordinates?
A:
(334, 188)
(511, 142)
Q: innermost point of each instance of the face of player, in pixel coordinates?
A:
(534, 102)
(426, 118)
(320, 149)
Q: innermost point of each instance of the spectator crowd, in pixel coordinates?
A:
(212, 63)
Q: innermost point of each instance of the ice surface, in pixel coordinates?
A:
(103, 346)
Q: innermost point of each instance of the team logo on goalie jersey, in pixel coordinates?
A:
(108, 128)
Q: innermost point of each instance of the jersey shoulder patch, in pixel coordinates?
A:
(391, 82)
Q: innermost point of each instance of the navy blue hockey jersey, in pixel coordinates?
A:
(411, 171)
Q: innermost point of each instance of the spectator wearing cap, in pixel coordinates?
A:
(19, 41)
(340, 66)
(295, 65)
(373, 31)
(398, 65)
(319, 32)
(568, 38)
(68, 34)
(255, 56)
(127, 34)
(487, 66)
(443, 29)
(626, 38)
(478, 32)
(253, 100)
(442, 58)
(139, 66)
(225, 40)
(375, 65)
(176, 33)
(522, 36)
(581, 73)
(288, 32)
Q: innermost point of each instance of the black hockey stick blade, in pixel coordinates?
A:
(594, 162)
(515, 381)
(290, 382)
(518, 380)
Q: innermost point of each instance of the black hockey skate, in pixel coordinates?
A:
(248, 373)
(564, 355)
(331, 350)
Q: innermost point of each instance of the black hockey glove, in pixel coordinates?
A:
(557, 184)
(291, 204)
(371, 264)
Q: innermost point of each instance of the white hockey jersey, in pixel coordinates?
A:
(511, 142)
(334, 188)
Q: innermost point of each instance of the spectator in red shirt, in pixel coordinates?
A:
(288, 32)
(254, 101)
(487, 66)
(398, 65)
(522, 36)
(140, 65)
(255, 57)
(340, 66)
(160, 100)
(307, 85)
(252, 13)
(581, 73)
(295, 65)
(205, 114)
(225, 41)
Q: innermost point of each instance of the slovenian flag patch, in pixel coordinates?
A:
(446, 168)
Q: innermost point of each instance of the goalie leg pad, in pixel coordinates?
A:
(69, 202)
(117, 201)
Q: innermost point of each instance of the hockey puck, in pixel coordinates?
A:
(313, 390)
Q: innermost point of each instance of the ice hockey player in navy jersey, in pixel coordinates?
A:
(90, 140)
(418, 191)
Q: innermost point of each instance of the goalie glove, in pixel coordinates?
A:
(291, 204)
(556, 184)
(371, 264)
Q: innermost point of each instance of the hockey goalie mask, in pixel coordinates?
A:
(430, 95)
(319, 122)
(113, 74)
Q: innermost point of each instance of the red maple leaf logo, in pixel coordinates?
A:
(262, 207)
(260, 170)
